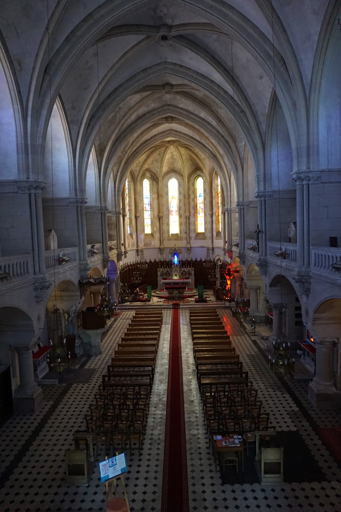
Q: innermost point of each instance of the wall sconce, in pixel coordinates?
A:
(3, 274)
(62, 260)
(336, 266)
(93, 251)
(280, 254)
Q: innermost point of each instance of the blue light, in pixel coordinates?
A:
(175, 258)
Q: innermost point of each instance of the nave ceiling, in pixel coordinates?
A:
(137, 77)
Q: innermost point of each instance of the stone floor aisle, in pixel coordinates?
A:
(32, 454)
(287, 413)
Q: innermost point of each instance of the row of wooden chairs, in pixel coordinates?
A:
(230, 402)
(118, 417)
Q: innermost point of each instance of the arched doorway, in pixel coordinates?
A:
(326, 331)
(16, 343)
(114, 281)
(254, 282)
(287, 311)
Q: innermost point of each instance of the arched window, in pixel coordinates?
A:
(218, 204)
(146, 207)
(200, 209)
(173, 199)
(128, 207)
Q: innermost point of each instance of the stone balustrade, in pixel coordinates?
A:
(289, 249)
(52, 257)
(17, 267)
(323, 257)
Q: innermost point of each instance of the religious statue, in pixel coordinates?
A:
(292, 233)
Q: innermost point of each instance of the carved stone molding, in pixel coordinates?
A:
(84, 269)
(40, 285)
(102, 208)
(262, 265)
(317, 176)
(263, 194)
(303, 279)
(76, 201)
(106, 260)
(34, 186)
(241, 256)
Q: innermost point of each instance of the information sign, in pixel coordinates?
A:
(113, 467)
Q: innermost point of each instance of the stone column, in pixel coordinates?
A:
(34, 190)
(28, 397)
(262, 305)
(188, 231)
(306, 223)
(117, 217)
(253, 300)
(277, 310)
(241, 226)
(322, 392)
(124, 233)
(137, 233)
(160, 231)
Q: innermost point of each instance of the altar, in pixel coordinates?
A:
(175, 279)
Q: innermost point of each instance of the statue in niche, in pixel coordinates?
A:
(51, 240)
(71, 320)
(292, 233)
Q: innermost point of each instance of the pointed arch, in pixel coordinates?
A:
(11, 129)
(92, 179)
(58, 159)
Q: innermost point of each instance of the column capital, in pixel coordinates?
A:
(263, 194)
(102, 209)
(77, 201)
(332, 175)
(303, 280)
(33, 186)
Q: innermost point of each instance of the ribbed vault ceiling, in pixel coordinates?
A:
(133, 76)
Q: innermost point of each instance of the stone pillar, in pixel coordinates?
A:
(277, 310)
(322, 392)
(262, 197)
(262, 306)
(241, 226)
(188, 231)
(300, 223)
(29, 396)
(228, 228)
(104, 226)
(117, 220)
(306, 223)
(137, 232)
(253, 300)
(34, 190)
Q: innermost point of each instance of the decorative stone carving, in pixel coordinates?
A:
(30, 186)
(106, 259)
(262, 265)
(84, 269)
(241, 257)
(303, 279)
(74, 201)
(40, 285)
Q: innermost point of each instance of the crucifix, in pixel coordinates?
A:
(257, 236)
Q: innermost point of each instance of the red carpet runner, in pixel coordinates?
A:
(175, 482)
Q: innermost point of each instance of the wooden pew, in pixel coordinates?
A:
(223, 343)
(135, 351)
(217, 358)
(213, 349)
(217, 337)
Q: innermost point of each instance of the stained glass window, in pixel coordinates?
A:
(200, 205)
(127, 206)
(173, 198)
(218, 204)
(146, 207)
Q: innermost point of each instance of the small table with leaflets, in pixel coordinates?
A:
(230, 444)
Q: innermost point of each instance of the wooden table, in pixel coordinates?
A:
(220, 447)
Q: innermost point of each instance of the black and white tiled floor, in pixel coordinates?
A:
(32, 473)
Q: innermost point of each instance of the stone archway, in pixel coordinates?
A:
(325, 389)
(254, 282)
(286, 306)
(114, 281)
(17, 341)
(95, 272)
